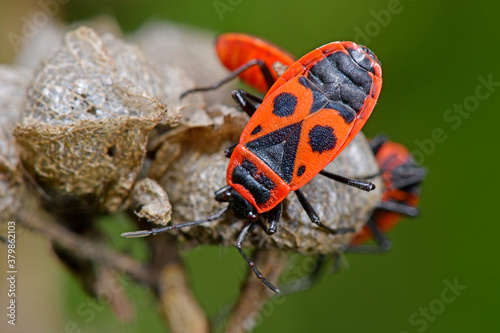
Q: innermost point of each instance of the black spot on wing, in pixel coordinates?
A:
(256, 130)
(301, 170)
(284, 104)
(322, 138)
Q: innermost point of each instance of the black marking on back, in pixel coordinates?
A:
(290, 153)
(284, 104)
(271, 139)
(278, 149)
(258, 185)
(256, 130)
(319, 98)
(320, 101)
(301, 170)
(322, 138)
(342, 79)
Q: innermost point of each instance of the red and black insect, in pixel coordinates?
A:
(306, 119)
(402, 178)
(239, 51)
(249, 58)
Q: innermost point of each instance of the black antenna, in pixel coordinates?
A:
(154, 231)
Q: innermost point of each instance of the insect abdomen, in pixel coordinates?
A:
(343, 80)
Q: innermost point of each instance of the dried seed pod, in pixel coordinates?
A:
(13, 81)
(200, 169)
(151, 202)
(88, 113)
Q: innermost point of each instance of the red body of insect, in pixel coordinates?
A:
(235, 50)
(402, 179)
(306, 119)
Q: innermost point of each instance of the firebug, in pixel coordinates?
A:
(402, 178)
(249, 58)
(308, 116)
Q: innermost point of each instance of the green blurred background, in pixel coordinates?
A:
(433, 55)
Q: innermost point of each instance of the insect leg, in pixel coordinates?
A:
(399, 208)
(362, 185)
(315, 218)
(266, 72)
(273, 219)
(336, 261)
(412, 176)
(154, 231)
(229, 150)
(383, 243)
(223, 194)
(247, 101)
(241, 236)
